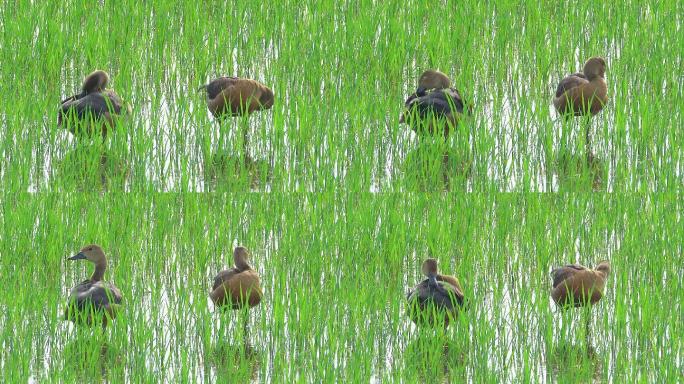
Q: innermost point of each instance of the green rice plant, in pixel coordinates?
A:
(348, 201)
(335, 269)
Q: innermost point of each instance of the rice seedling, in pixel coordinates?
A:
(348, 201)
(339, 90)
(334, 273)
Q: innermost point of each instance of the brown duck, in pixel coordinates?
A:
(436, 106)
(93, 110)
(435, 299)
(576, 286)
(583, 93)
(93, 300)
(234, 96)
(237, 287)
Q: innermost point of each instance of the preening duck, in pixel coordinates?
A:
(583, 93)
(94, 110)
(234, 96)
(575, 285)
(239, 286)
(435, 300)
(435, 107)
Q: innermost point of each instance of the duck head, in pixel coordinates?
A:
(240, 257)
(95, 82)
(430, 270)
(603, 267)
(92, 253)
(595, 67)
(430, 267)
(432, 79)
(266, 99)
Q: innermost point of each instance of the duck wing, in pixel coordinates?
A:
(443, 295)
(93, 104)
(455, 287)
(98, 295)
(103, 294)
(565, 272)
(569, 82)
(440, 103)
(216, 86)
(223, 276)
(410, 99)
(446, 296)
(417, 293)
(458, 102)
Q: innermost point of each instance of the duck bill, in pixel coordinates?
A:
(78, 256)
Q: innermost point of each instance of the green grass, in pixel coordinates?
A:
(340, 73)
(340, 235)
(335, 269)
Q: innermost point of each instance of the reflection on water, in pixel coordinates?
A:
(90, 357)
(233, 362)
(570, 362)
(90, 167)
(234, 156)
(436, 358)
(436, 168)
(581, 172)
(233, 352)
(224, 170)
(572, 357)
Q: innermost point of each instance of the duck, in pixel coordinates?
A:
(583, 93)
(95, 102)
(576, 286)
(237, 287)
(235, 96)
(435, 299)
(437, 100)
(93, 300)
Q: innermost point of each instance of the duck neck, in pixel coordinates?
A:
(602, 274)
(241, 264)
(100, 269)
(595, 78)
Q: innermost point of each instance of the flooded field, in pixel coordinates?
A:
(337, 200)
(339, 91)
(335, 273)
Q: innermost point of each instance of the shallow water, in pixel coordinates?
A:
(355, 200)
(333, 304)
(176, 162)
(341, 129)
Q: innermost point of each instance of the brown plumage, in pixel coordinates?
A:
(435, 299)
(583, 93)
(94, 110)
(436, 106)
(575, 285)
(237, 287)
(93, 300)
(233, 96)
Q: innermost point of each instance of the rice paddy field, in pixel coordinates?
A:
(339, 203)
